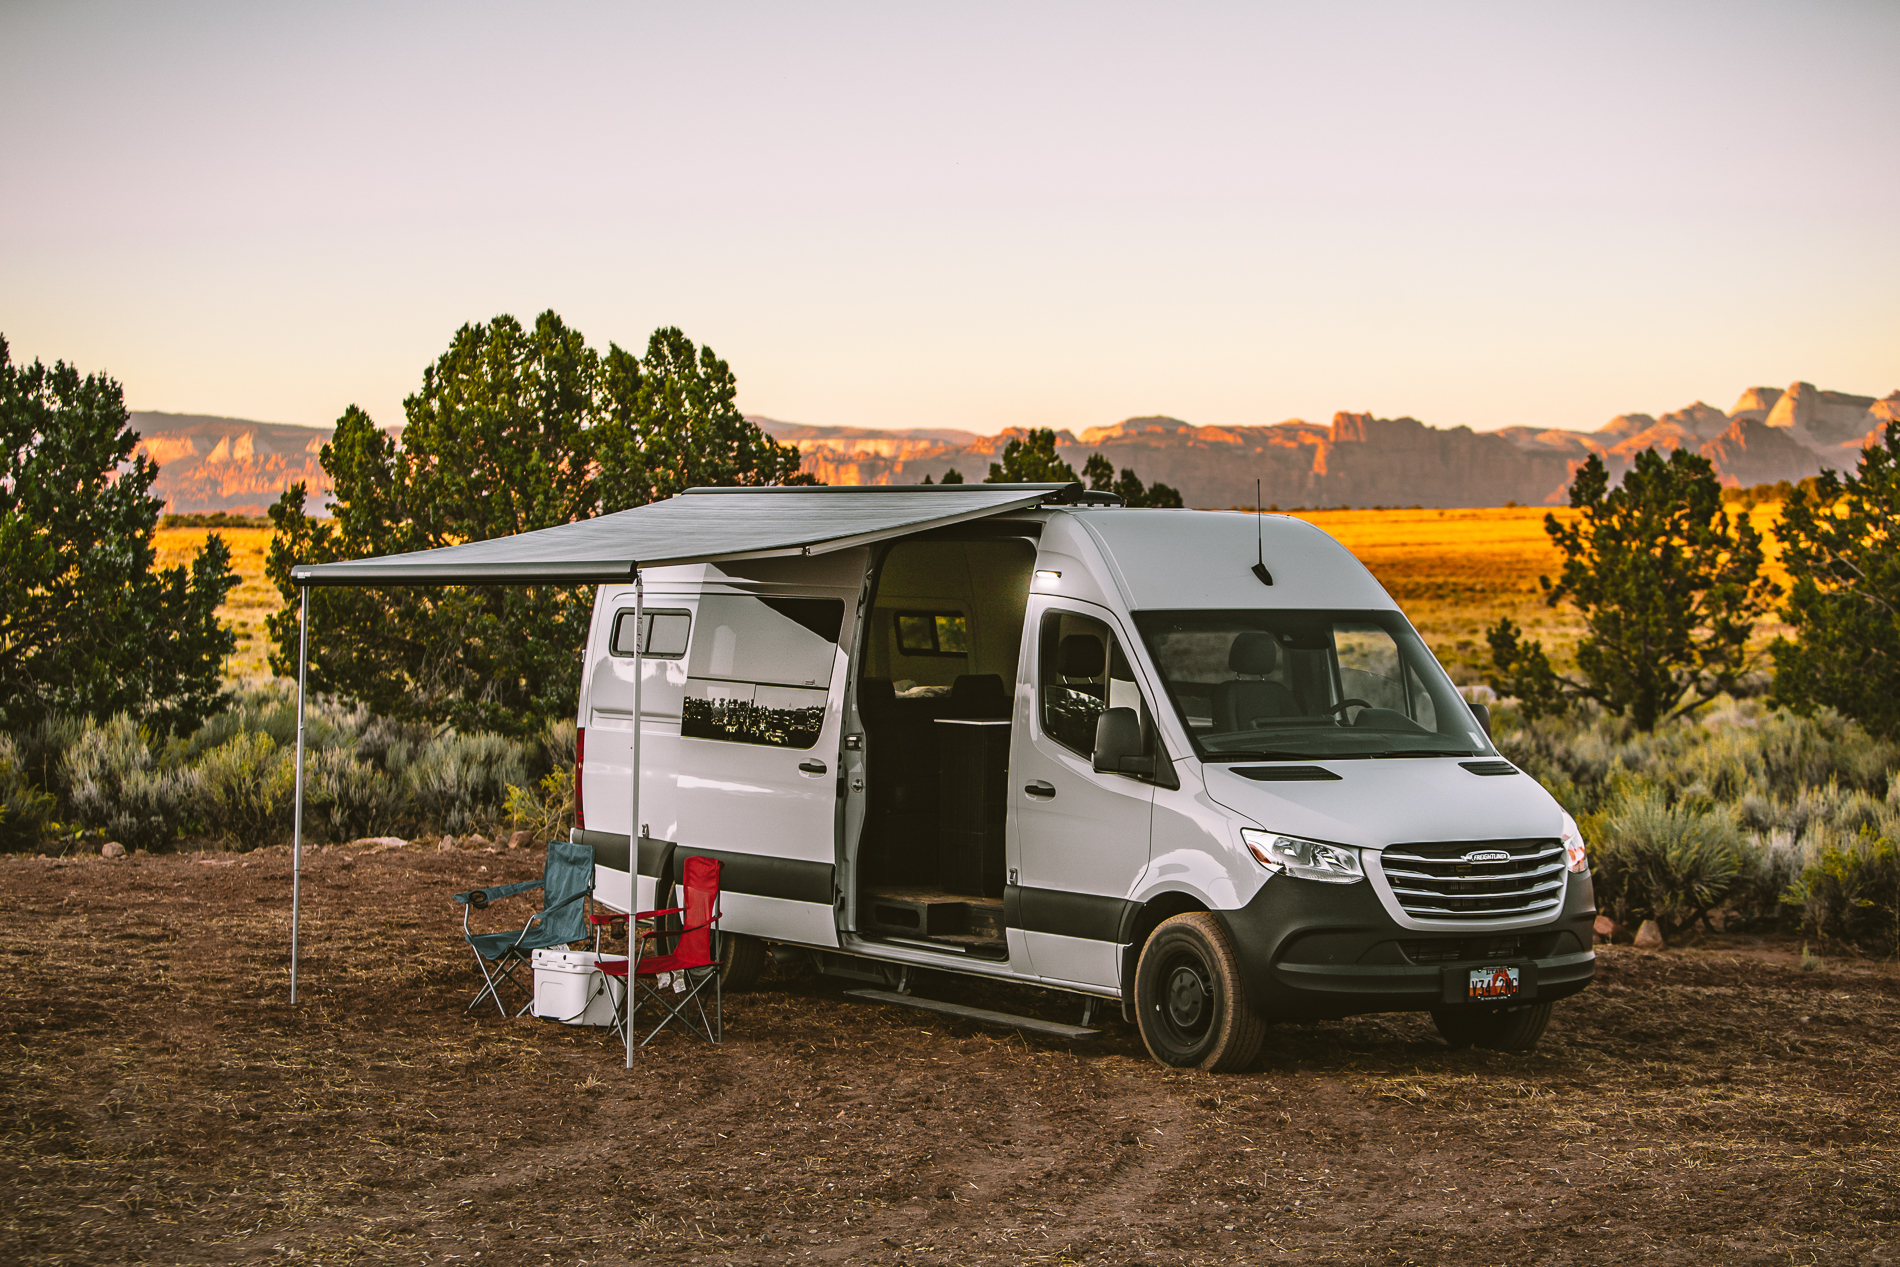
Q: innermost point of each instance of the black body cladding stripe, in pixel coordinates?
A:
(1084, 915)
(792, 879)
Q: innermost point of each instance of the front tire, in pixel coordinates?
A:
(1190, 1000)
(1513, 1029)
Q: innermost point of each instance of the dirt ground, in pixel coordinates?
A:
(160, 1103)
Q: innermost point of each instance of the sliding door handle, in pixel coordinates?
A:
(812, 767)
(1040, 790)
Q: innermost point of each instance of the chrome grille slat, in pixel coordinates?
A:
(1481, 895)
(1433, 881)
(1548, 869)
(1515, 858)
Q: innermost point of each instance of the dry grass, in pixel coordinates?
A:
(1457, 571)
(246, 606)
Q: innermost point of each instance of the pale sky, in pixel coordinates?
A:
(979, 216)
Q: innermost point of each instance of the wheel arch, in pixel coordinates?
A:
(1138, 924)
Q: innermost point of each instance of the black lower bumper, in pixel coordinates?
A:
(1312, 950)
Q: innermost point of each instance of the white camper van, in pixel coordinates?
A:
(1087, 748)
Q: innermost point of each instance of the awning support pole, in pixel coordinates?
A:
(296, 831)
(633, 796)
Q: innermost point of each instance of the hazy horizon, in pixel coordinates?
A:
(1060, 215)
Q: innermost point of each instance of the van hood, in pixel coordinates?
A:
(1379, 802)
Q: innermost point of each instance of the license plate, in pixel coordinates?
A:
(1492, 983)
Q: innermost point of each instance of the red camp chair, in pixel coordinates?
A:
(690, 968)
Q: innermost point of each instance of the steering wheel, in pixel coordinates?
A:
(1345, 704)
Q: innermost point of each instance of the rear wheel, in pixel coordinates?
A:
(741, 959)
(1190, 1001)
(1506, 1029)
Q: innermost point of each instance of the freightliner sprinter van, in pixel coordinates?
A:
(1092, 749)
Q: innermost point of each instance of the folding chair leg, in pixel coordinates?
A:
(490, 989)
(709, 1029)
(502, 974)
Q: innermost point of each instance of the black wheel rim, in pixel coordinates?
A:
(1185, 1001)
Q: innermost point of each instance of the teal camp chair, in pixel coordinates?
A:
(566, 883)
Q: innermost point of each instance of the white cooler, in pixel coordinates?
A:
(570, 989)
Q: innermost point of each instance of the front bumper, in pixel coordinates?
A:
(1311, 950)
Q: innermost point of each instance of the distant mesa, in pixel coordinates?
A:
(208, 464)
(1361, 460)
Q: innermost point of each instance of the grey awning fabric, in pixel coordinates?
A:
(702, 525)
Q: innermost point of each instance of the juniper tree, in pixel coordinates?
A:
(1668, 590)
(513, 429)
(89, 624)
(1841, 544)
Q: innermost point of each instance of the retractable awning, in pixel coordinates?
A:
(702, 525)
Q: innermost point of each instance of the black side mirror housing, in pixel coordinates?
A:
(1483, 713)
(1118, 745)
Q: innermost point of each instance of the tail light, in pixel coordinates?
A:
(580, 754)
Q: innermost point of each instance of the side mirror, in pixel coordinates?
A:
(1483, 713)
(1118, 746)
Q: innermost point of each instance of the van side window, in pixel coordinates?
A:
(758, 669)
(666, 633)
(932, 633)
(1082, 671)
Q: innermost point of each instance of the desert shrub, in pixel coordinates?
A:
(459, 783)
(40, 751)
(547, 810)
(246, 791)
(25, 811)
(347, 798)
(1849, 891)
(557, 745)
(391, 745)
(1673, 863)
(272, 710)
(118, 787)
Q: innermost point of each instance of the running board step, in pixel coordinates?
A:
(979, 1014)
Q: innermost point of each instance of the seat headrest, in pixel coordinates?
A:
(979, 690)
(1254, 651)
(1080, 655)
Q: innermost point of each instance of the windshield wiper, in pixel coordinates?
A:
(1406, 752)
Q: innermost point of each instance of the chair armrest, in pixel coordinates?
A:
(495, 893)
(671, 910)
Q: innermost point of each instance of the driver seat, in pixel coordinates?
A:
(1237, 703)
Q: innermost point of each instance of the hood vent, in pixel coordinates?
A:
(1285, 773)
(1488, 767)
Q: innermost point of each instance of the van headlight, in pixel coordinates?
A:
(1307, 859)
(1575, 856)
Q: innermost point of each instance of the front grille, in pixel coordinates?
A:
(1440, 882)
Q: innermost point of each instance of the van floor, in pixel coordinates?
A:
(960, 922)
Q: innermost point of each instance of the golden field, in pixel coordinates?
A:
(1453, 571)
(246, 606)
(1457, 571)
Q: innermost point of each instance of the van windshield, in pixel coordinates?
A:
(1300, 685)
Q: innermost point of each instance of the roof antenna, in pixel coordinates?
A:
(1260, 539)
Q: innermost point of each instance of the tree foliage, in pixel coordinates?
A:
(513, 429)
(88, 623)
(1031, 459)
(1100, 474)
(1841, 544)
(1668, 591)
